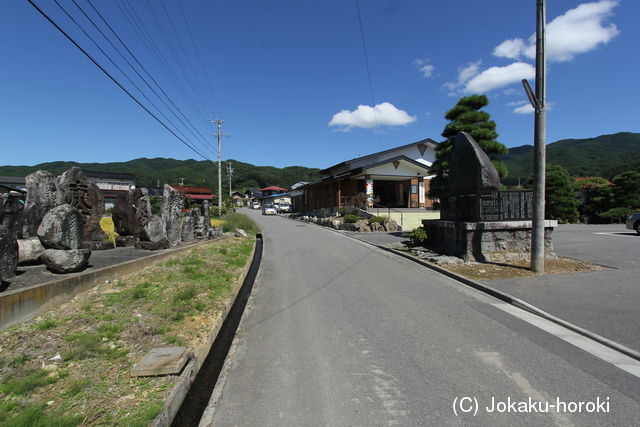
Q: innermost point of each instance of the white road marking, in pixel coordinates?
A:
(629, 233)
(620, 360)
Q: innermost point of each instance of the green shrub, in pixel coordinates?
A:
(347, 210)
(235, 220)
(616, 215)
(418, 236)
(351, 218)
(378, 219)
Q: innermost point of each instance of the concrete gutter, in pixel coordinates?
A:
(25, 303)
(190, 372)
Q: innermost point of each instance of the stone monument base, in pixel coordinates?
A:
(486, 241)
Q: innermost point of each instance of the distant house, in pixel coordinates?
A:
(197, 194)
(394, 178)
(13, 183)
(275, 194)
(238, 197)
(253, 195)
(111, 184)
(274, 189)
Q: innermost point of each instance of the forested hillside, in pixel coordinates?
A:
(150, 172)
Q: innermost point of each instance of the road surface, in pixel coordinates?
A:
(341, 333)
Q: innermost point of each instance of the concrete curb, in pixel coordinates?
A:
(505, 297)
(25, 303)
(190, 372)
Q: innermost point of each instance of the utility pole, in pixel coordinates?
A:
(230, 171)
(540, 136)
(219, 123)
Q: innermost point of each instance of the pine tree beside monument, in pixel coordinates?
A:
(466, 116)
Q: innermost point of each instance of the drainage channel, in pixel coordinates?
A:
(200, 391)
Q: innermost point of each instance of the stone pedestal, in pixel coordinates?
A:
(486, 241)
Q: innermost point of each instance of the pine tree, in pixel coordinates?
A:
(465, 116)
(560, 195)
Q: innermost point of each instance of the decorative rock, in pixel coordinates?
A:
(29, 250)
(152, 246)
(154, 230)
(75, 189)
(376, 226)
(362, 226)
(470, 169)
(8, 254)
(65, 261)
(132, 212)
(11, 207)
(241, 233)
(172, 204)
(390, 225)
(126, 241)
(61, 228)
(41, 198)
(187, 233)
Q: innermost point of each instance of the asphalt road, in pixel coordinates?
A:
(606, 302)
(340, 333)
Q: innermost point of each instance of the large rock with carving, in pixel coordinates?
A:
(187, 234)
(172, 203)
(470, 169)
(65, 261)
(41, 198)
(11, 207)
(75, 189)
(154, 231)
(61, 228)
(29, 250)
(132, 212)
(8, 254)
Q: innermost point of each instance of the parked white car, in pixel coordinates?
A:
(255, 205)
(268, 209)
(285, 207)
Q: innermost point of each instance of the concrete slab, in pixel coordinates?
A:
(161, 361)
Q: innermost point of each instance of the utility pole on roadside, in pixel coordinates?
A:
(540, 135)
(230, 171)
(219, 124)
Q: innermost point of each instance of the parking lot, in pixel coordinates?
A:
(606, 302)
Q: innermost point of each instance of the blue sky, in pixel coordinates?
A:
(289, 77)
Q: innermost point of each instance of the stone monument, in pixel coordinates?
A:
(61, 232)
(75, 189)
(41, 198)
(478, 221)
(172, 204)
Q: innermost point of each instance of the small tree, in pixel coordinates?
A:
(560, 195)
(598, 197)
(465, 116)
(626, 190)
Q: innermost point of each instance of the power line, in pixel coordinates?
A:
(118, 67)
(143, 68)
(44, 14)
(366, 62)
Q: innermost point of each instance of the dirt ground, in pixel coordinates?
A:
(520, 268)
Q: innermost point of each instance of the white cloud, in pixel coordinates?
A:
(496, 77)
(510, 48)
(524, 109)
(424, 67)
(464, 74)
(515, 103)
(384, 114)
(579, 30)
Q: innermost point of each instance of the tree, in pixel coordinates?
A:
(626, 190)
(598, 197)
(560, 195)
(465, 116)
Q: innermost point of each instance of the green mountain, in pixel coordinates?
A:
(605, 155)
(150, 172)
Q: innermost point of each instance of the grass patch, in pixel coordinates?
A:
(236, 220)
(102, 333)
